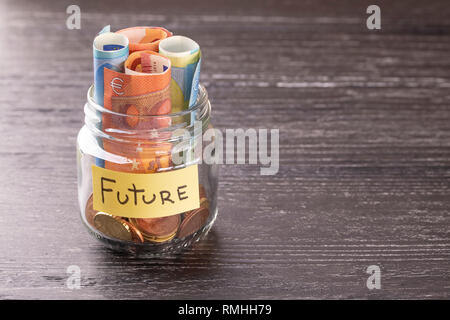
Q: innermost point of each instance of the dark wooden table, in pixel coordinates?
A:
(364, 179)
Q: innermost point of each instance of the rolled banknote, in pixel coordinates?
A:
(185, 55)
(145, 38)
(142, 91)
(110, 52)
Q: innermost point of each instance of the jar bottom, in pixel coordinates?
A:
(144, 250)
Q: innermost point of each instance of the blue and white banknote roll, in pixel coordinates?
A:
(185, 55)
(110, 51)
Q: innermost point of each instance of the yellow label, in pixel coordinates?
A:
(145, 195)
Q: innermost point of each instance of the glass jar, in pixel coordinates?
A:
(143, 186)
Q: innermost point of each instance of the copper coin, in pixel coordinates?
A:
(193, 221)
(157, 227)
(112, 226)
(89, 211)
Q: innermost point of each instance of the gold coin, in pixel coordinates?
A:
(104, 224)
(136, 234)
(112, 226)
(193, 221)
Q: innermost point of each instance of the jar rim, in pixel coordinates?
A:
(202, 102)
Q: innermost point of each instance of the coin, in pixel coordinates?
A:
(89, 212)
(203, 198)
(157, 228)
(112, 226)
(193, 221)
(160, 239)
(136, 234)
(202, 191)
(204, 203)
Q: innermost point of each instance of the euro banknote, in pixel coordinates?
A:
(110, 51)
(143, 90)
(185, 55)
(145, 38)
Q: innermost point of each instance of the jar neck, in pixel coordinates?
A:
(134, 127)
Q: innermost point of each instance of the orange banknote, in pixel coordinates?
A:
(145, 38)
(140, 101)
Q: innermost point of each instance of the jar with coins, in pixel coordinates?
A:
(144, 183)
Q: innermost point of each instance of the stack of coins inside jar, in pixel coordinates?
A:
(150, 230)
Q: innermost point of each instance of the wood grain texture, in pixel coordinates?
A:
(364, 151)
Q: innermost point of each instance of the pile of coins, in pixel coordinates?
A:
(154, 230)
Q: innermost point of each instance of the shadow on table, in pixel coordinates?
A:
(151, 277)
